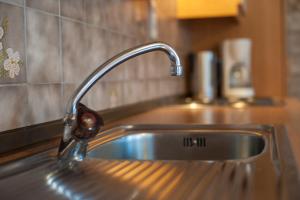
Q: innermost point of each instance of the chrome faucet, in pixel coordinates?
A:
(81, 123)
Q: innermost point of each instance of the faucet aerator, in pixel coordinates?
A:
(177, 70)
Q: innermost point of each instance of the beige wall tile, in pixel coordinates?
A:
(13, 107)
(44, 103)
(43, 54)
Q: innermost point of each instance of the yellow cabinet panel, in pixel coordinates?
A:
(187, 9)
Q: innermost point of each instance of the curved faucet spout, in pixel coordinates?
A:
(176, 69)
(72, 107)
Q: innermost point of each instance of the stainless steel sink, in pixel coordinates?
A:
(161, 142)
(146, 162)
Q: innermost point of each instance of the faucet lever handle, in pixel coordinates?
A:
(89, 123)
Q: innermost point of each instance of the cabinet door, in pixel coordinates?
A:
(188, 9)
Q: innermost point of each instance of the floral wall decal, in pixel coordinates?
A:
(11, 64)
(10, 61)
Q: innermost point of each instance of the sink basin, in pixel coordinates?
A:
(162, 142)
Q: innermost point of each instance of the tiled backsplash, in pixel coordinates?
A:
(293, 46)
(55, 44)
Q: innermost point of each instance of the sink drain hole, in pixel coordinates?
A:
(197, 142)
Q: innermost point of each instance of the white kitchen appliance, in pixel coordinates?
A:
(237, 79)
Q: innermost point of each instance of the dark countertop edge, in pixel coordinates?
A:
(20, 138)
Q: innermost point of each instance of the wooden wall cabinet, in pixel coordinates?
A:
(197, 9)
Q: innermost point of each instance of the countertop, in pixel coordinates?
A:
(51, 181)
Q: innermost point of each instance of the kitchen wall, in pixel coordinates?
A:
(293, 46)
(47, 47)
(264, 24)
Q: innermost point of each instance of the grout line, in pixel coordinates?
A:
(25, 42)
(59, 8)
(12, 85)
(62, 79)
(28, 84)
(27, 111)
(53, 83)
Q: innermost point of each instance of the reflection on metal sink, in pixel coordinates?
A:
(178, 142)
